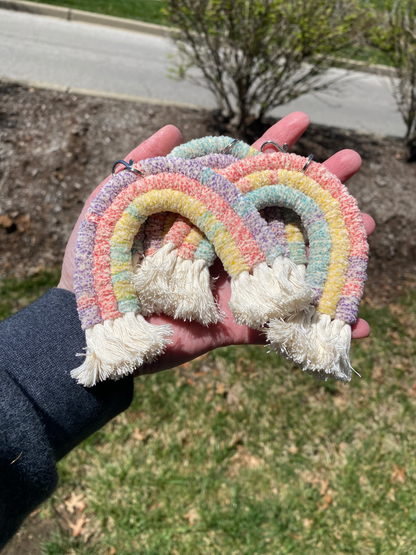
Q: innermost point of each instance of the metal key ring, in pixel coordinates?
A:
(283, 148)
(128, 165)
(308, 161)
(227, 149)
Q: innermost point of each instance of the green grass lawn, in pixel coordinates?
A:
(149, 11)
(241, 453)
(144, 10)
(16, 294)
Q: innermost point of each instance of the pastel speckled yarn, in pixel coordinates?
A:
(276, 168)
(175, 250)
(120, 338)
(172, 275)
(339, 288)
(326, 330)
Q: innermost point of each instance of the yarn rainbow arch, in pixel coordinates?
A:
(118, 337)
(317, 338)
(328, 325)
(162, 276)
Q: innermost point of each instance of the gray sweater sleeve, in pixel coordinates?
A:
(44, 413)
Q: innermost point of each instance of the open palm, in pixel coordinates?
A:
(191, 339)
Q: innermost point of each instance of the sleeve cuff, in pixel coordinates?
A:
(27, 465)
(38, 349)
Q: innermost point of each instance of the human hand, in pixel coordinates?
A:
(191, 339)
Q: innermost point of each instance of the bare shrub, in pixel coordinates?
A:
(397, 37)
(255, 55)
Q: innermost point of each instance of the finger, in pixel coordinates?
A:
(360, 329)
(159, 144)
(369, 224)
(287, 130)
(344, 164)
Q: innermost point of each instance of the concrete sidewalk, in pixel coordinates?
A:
(116, 62)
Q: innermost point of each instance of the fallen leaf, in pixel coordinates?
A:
(141, 436)
(81, 507)
(75, 502)
(324, 487)
(234, 394)
(326, 502)
(220, 388)
(398, 474)
(112, 551)
(78, 526)
(239, 365)
(390, 495)
(155, 506)
(293, 449)
(6, 221)
(307, 522)
(274, 491)
(208, 398)
(236, 439)
(192, 516)
(243, 458)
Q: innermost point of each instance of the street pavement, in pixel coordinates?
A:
(60, 52)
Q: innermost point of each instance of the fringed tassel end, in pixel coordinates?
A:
(152, 279)
(315, 342)
(117, 347)
(191, 293)
(167, 284)
(269, 293)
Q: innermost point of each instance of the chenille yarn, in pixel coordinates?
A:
(337, 293)
(173, 275)
(265, 285)
(326, 329)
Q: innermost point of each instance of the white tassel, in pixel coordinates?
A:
(152, 279)
(269, 293)
(291, 336)
(167, 284)
(191, 293)
(315, 342)
(117, 347)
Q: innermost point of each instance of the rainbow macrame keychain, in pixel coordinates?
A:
(170, 280)
(265, 284)
(173, 276)
(317, 339)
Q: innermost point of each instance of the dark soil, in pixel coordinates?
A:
(55, 148)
